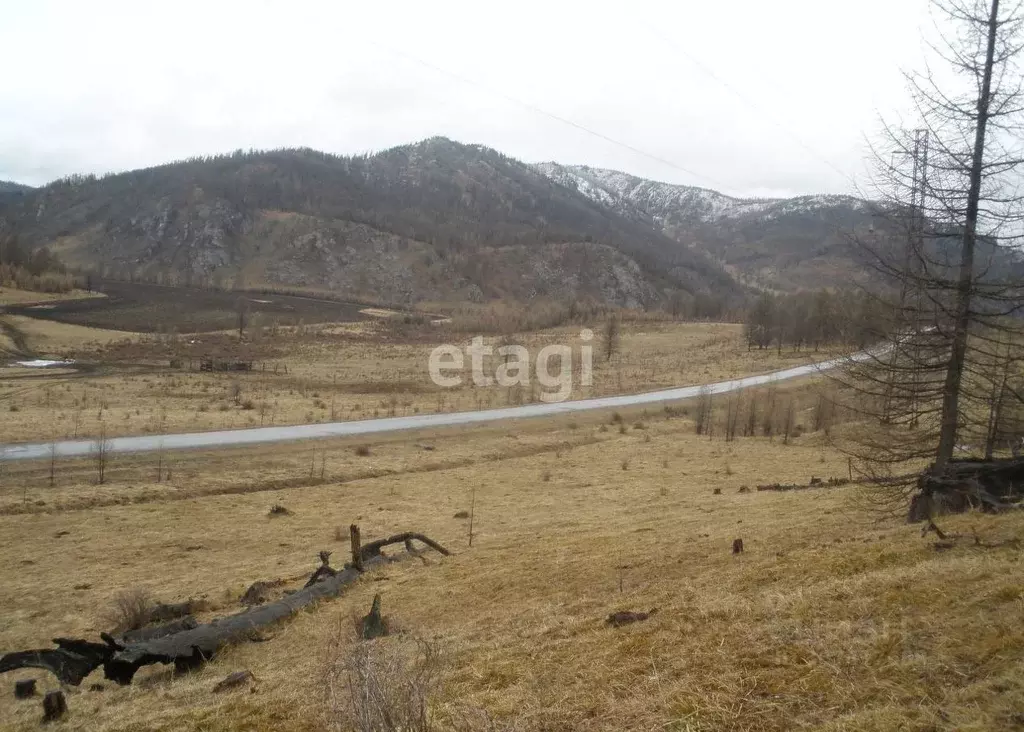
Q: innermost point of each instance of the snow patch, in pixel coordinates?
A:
(665, 201)
(42, 363)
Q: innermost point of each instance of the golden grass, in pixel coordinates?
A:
(13, 296)
(833, 619)
(336, 373)
(49, 337)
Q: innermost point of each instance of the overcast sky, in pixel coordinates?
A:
(748, 97)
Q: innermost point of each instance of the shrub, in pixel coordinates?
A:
(130, 610)
(363, 450)
(382, 687)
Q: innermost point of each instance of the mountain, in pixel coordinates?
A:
(11, 191)
(785, 243)
(436, 220)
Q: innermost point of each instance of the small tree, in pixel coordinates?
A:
(612, 337)
(101, 449)
(243, 315)
(788, 421)
(705, 406)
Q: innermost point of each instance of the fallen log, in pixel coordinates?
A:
(71, 661)
(189, 648)
(158, 631)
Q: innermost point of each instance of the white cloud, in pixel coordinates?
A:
(779, 99)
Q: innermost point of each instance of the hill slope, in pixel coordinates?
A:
(11, 191)
(785, 243)
(436, 220)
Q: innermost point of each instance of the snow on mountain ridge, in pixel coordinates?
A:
(665, 201)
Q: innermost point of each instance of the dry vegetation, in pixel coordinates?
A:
(328, 373)
(833, 618)
(14, 296)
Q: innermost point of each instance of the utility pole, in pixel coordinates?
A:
(910, 328)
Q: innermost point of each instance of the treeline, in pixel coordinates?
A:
(39, 271)
(770, 412)
(814, 319)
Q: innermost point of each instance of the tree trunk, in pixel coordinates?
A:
(962, 313)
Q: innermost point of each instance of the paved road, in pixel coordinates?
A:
(260, 435)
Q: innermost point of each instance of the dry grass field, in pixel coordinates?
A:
(14, 296)
(326, 373)
(833, 618)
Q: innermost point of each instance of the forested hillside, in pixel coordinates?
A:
(436, 220)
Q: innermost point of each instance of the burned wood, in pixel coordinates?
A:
(159, 631)
(324, 571)
(357, 552)
(987, 485)
(626, 617)
(25, 689)
(373, 624)
(814, 483)
(55, 706)
(930, 526)
(70, 662)
(189, 648)
(373, 548)
(256, 594)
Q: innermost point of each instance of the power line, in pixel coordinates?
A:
(746, 100)
(551, 115)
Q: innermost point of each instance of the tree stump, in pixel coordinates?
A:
(24, 689)
(55, 706)
(737, 546)
(625, 617)
(357, 553)
(373, 625)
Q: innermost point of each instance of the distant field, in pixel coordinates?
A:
(326, 374)
(148, 308)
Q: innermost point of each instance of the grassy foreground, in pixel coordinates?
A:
(833, 618)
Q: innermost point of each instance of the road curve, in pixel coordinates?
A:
(292, 433)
